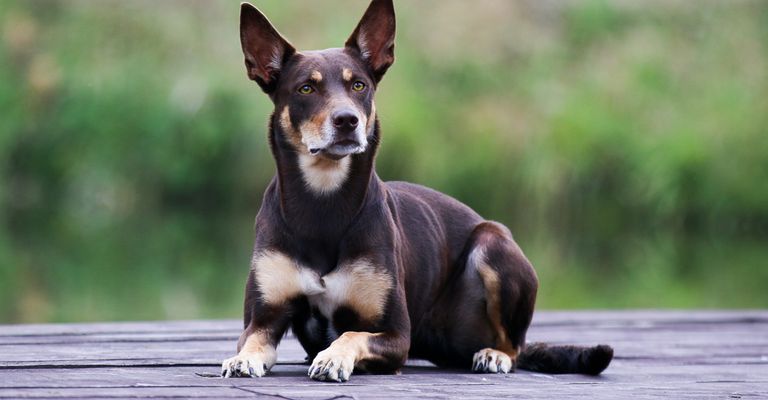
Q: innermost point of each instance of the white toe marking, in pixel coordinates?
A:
(491, 360)
(333, 365)
(337, 362)
(248, 364)
(255, 358)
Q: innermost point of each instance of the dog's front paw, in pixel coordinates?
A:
(332, 365)
(249, 365)
(491, 360)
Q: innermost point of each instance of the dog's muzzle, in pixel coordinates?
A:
(347, 135)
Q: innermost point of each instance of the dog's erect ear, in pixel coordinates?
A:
(374, 37)
(264, 49)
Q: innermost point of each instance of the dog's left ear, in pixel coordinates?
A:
(374, 37)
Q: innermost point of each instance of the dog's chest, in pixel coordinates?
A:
(359, 285)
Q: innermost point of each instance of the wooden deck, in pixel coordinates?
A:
(670, 355)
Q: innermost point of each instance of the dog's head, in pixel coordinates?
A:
(323, 99)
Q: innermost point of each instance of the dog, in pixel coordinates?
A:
(368, 273)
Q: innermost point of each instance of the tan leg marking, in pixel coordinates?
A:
(503, 357)
(337, 362)
(280, 279)
(492, 286)
(255, 357)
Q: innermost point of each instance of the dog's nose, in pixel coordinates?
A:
(345, 121)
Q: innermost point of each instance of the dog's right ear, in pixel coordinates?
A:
(264, 49)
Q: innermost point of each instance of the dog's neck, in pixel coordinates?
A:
(314, 212)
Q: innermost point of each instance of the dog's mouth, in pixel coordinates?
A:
(339, 149)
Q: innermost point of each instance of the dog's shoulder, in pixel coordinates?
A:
(410, 194)
(416, 204)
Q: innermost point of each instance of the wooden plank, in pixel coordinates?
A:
(86, 329)
(295, 384)
(295, 375)
(658, 355)
(637, 318)
(659, 340)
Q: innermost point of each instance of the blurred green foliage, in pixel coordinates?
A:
(623, 142)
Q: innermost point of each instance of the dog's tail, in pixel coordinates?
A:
(541, 357)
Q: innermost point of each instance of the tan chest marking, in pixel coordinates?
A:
(359, 285)
(280, 279)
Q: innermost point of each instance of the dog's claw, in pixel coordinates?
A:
(247, 365)
(493, 361)
(343, 376)
(331, 368)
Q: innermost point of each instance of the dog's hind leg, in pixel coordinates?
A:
(510, 285)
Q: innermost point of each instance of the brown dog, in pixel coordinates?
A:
(368, 273)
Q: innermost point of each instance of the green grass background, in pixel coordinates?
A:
(623, 142)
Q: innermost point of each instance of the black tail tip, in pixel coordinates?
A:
(596, 360)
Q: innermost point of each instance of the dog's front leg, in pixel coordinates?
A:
(384, 351)
(265, 325)
(256, 355)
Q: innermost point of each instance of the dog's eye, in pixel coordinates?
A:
(358, 86)
(306, 89)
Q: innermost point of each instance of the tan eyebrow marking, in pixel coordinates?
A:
(346, 73)
(316, 76)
